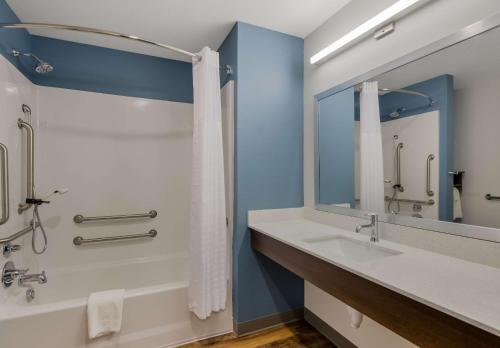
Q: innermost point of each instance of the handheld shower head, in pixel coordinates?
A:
(60, 191)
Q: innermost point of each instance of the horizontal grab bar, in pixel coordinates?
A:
(79, 240)
(19, 234)
(402, 200)
(80, 218)
(492, 198)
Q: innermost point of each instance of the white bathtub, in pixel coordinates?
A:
(155, 307)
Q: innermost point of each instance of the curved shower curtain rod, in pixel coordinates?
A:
(95, 31)
(405, 91)
(408, 91)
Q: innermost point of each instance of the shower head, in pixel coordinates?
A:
(397, 113)
(42, 67)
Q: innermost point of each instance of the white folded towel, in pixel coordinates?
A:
(355, 317)
(457, 204)
(104, 312)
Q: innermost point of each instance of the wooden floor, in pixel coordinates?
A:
(294, 335)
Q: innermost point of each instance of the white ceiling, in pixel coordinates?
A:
(186, 24)
(473, 60)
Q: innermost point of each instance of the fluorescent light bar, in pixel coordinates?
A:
(381, 18)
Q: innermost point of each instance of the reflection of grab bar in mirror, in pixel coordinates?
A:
(428, 182)
(403, 200)
(398, 168)
(5, 184)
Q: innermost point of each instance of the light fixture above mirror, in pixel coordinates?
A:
(397, 10)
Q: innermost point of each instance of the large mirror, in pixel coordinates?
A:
(439, 131)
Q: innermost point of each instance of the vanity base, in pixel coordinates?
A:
(415, 321)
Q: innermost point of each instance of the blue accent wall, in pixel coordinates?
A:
(228, 55)
(18, 39)
(336, 148)
(96, 69)
(104, 70)
(268, 160)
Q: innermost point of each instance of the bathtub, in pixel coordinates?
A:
(155, 310)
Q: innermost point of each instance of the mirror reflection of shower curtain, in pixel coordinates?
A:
(371, 160)
(208, 230)
(371, 163)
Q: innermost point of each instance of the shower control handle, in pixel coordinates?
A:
(10, 273)
(9, 248)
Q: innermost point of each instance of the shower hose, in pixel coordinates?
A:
(36, 221)
(394, 197)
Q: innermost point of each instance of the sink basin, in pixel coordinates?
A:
(348, 248)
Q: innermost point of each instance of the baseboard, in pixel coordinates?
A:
(263, 323)
(327, 331)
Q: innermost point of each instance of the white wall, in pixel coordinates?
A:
(476, 147)
(15, 90)
(116, 154)
(410, 131)
(435, 20)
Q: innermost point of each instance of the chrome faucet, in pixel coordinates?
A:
(374, 233)
(39, 278)
(10, 273)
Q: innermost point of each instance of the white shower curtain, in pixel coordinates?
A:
(371, 160)
(208, 236)
(372, 164)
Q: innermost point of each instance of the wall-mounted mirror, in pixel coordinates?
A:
(440, 134)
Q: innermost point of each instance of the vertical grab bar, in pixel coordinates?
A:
(398, 168)
(5, 183)
(30, 163)
(430, 193)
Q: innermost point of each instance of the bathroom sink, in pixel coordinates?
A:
(349, 249)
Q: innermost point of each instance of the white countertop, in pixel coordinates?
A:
(462, 289)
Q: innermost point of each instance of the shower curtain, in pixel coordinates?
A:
(371, 162)
(372, 165)
(208, 230)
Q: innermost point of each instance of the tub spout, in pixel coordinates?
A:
(39, 278)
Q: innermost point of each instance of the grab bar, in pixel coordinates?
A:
(79, 240)
(492, 198)
(402, 200)
(30, 164)
(80, 218)
(5, 184)
(398, 168)
(429, 191)
(19, 234)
